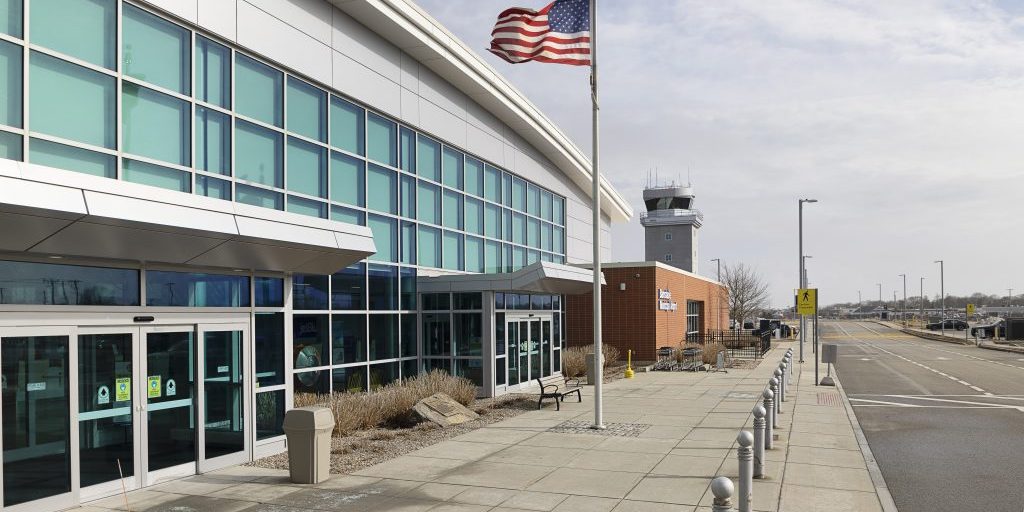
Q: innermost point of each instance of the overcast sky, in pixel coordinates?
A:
(905, 119)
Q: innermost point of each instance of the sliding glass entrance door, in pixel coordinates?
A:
(529, 348)
(170, 402)
(225, 397)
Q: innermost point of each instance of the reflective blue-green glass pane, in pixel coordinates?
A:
(492, 257)
(428, 158)
(546, 256)
(213, 73)
(212, 187)
(474, 216)
(381, 139)
(258, 90)
(155, 50)
(10, 17)
(452, 209)
(347, 122)
(492, 220)
(558, 240)
(156, 176)
(10, 83)
(347, 179)
(156, 125)
(451, 164)
(519, 195)
(545, 205)
(72, 102)
(385, 237)
(506, 223)
(213, 141)
(85, 29)
(533, 232)
(428, 207)
(474, 254)
(474, 176)
(492, 184)
(382, 185)
(259, 154)
(307, 110)
(408, 236)
(518, 228)
(407, 197)
(532, 257)
(10, 146)
(453, 259)
(259, 197)
(309, 207)
(307, 168)
(407, 150)
(429, 247)
(348, 215)
(518, 258)
(533, 199)
(558, 210)
(506, 189)
(545, 237)
(48, 153)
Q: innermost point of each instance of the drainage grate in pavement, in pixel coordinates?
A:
(829, 399)
(611, 429)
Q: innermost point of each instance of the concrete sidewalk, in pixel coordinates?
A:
(669, 435)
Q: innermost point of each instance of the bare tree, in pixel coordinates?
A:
(748, 292)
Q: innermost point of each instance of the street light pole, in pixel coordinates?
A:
(718, 313)
(922, 299)
(800, 271)
(1009, 297)
(942, 291)
(719, 260)
(904, 276)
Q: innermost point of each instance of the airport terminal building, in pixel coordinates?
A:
(209, 206)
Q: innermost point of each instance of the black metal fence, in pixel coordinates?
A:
(741, 344)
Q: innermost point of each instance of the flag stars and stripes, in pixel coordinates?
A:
(559, 33)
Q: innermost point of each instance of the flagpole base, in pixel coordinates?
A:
(600, 426)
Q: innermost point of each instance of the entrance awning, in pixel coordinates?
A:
(52, 212)
(541, 277)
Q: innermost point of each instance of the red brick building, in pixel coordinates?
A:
(647, 305)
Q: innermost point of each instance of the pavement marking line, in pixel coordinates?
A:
(900, 404)
(968, 402)
(917, 342)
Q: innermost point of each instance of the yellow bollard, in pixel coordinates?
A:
(629, 364)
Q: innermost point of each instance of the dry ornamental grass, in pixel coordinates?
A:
(574, 359)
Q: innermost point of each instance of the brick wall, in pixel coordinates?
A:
(631, 318)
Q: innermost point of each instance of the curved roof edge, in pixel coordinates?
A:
(410, 28)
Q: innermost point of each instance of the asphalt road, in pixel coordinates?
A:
(945, 422)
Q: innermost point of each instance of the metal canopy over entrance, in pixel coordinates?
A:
(540, 277)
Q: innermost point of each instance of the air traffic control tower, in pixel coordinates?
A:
(670, 226)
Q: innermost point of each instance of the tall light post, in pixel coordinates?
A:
(858, 298)
(942, 291)
(719, 260)
(880, 303)
(904, 276)
(718, 314)
(800, 271)
(1009, 297)
(922, 299)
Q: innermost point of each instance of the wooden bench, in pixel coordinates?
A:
(557, 387)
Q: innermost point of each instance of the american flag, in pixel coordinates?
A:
(558, 33)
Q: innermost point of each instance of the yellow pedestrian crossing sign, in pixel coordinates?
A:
(970, 309)
(807, 301)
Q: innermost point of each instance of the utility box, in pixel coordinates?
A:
(308, 430)
(592, 369)
(829, 353)
(1014, 329)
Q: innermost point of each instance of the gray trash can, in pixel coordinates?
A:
(309, 443)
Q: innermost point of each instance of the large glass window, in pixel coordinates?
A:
(468, 334)
(451, 164)
(558, 210)
(381, 139)
(492, 257)
(348, 288)
(309, 207)
(10, 17)
(408, 288)
(67, 285)
(474, 214)
(309, 341)
(259, 154)
(258, 90)
(533, 199)
(269, 345)
(213, 73)
(533, 232)
(519, 194)
(307, 168)
(269, 292)
(269, 414)
(156, 176)
(48, 153)
(213, 141)
(156, 125)
(429, 247)
(347, 179)
(349, 380)
(518, 228)
(492, 184)
(492, 220)
(437, 334)
(407, 253)
(71, 101)
(407, 197)
(307, 110)
(428, 158)
(474, 254)
(383, 287)
(85, 29)
(259, 197)
(407, 150)
(155, 50)
(190, 289)
(349, 339)
(10, 146)
(348, 215)
(309, 292)
(474, 176)
(452, 209)
(383, 186)
(453, 251)
(545, 205)
(409, 346)
(385, 237)
(347, 126)
(383, 336)
(428, 207)
(10, 84)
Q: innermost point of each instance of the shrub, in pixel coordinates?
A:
(389, 405)
(711, 351)
(574, 361)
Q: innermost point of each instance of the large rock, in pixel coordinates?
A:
(442, 410)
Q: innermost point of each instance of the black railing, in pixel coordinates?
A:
(741, 344)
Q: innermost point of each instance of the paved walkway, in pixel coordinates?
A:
(519, 464)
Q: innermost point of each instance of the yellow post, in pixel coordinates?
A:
(629, 364)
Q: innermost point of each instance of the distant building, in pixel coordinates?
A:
(670, 226)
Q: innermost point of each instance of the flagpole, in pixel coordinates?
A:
(595, 171)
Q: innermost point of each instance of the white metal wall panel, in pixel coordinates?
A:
(273, 38)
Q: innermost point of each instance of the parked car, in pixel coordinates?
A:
(951, 324)
(989, 330)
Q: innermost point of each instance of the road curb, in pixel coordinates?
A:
(992, 346)
(881, 489)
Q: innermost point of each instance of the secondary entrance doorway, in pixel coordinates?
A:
(86, 410)
(529, 348)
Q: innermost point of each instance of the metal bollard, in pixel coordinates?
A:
(782, 381)
(774, 386)
(780, 393)
(722, 489)
(746, 460)
(759, 424)
(768, 423)
(785, 379)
